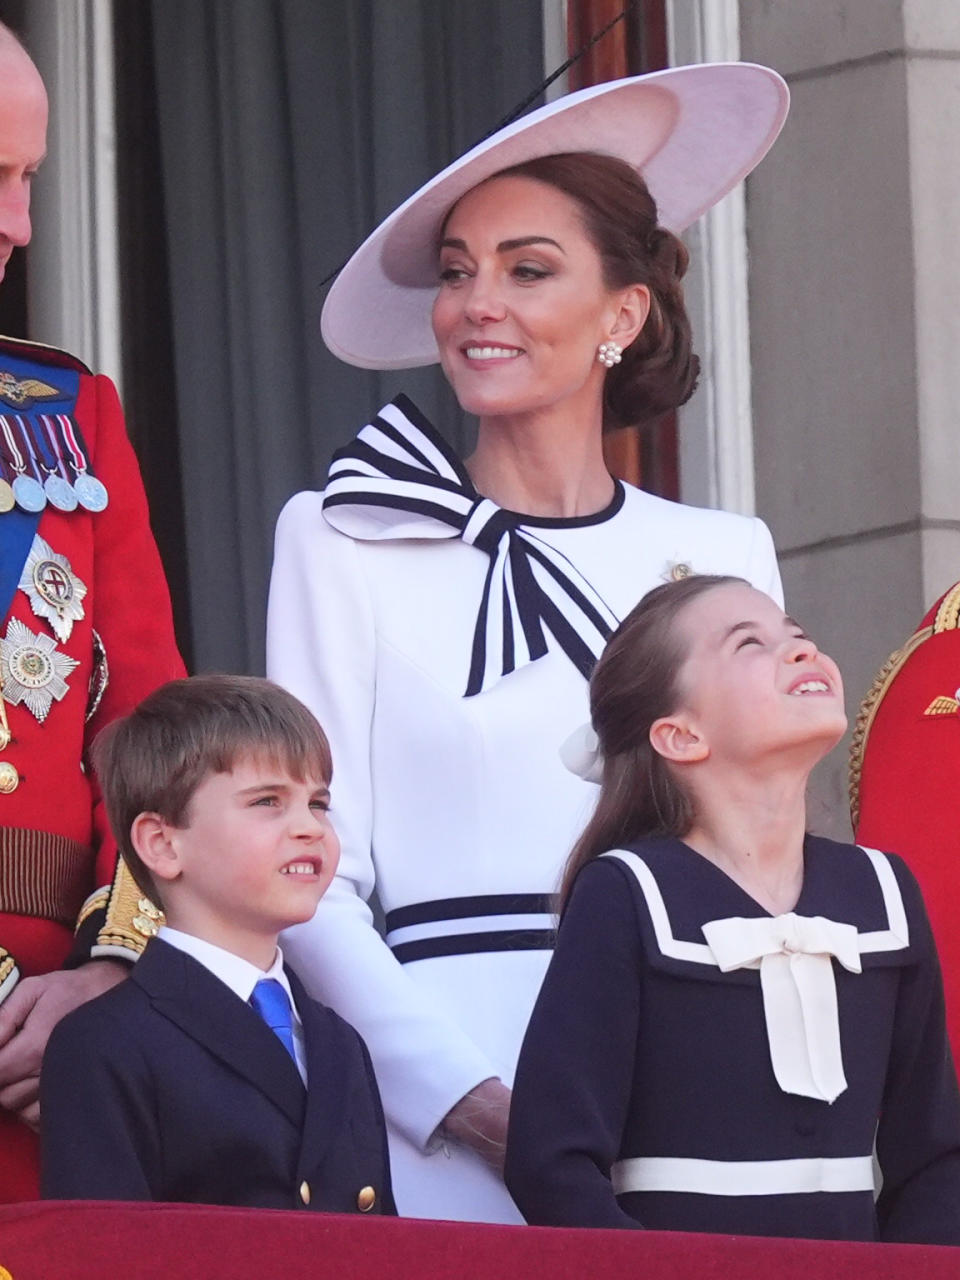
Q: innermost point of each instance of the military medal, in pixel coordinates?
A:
(91, 492)
(53, 589)
(32, 669)
(7, 500)
(27, 491)
(58, 490)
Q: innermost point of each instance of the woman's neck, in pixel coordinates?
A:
(752, 828)
(541, 465)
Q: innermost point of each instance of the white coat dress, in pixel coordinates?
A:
(456, 809)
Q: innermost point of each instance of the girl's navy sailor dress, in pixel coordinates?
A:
(677, 1076)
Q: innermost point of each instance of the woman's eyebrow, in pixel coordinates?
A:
(505, 246)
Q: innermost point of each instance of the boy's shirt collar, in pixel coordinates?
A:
(238, 974)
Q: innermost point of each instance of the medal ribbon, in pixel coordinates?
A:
(73, 440)
(400, 479)
(48, 446)
(12, 453)
(33, 446)
(17, 528)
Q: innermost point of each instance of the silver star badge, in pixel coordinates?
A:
(33, 671)
(53, 589)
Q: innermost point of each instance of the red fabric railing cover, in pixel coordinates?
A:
(99, 1241)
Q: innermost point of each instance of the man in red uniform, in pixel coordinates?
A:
(85, 633)
(905, 776)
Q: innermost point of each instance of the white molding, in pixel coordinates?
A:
(555, 46)
(716, 427)
(74, 286)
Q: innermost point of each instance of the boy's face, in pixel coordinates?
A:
(257, 854)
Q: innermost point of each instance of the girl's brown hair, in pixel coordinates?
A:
(659, 370)
(636, 682)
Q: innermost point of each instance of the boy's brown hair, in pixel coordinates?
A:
(153, 760)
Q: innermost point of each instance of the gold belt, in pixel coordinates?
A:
(42, 874)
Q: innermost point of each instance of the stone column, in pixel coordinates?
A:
(853, 226)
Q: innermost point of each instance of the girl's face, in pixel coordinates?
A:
(522, 306)
(753, 682)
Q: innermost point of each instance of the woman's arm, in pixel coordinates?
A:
(321, 644)
(918, 1139)
(571, 1098)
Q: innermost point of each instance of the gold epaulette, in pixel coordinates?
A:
(9, 974)
(131, 918)
(868, 711)
(36, 350)
(947, 618)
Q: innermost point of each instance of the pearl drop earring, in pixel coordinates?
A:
(610, 353)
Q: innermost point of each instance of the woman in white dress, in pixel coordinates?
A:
(442, 637)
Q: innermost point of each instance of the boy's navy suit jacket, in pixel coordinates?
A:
(170, 1087)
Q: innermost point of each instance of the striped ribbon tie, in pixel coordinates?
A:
(399, 479)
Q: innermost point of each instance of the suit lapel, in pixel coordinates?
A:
(204, 1008)
(327, 1074)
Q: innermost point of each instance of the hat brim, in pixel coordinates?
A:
(694, 132)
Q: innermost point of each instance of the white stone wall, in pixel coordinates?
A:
(853, 227)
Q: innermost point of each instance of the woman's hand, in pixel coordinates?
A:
(479, 1121)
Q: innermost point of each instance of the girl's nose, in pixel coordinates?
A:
(801, 649)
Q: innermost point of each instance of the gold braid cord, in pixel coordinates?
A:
(948, 615)
(868, 710)
(131, 919)
(9, 974)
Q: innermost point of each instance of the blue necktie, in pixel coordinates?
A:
(273, 1005)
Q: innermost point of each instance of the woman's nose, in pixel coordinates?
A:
(484, 301)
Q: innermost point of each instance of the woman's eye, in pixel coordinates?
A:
(529, 271)
(450, 275)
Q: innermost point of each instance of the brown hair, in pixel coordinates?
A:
(659, 370)
(153, 760)
(636, 682)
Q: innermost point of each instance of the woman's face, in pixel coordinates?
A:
(522, 306)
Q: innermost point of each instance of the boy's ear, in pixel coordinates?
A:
(678, 739)
(151, 838)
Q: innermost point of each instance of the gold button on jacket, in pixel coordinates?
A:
(305, 1192)
(366, 1199)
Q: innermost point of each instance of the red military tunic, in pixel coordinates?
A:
(905, 776)
(55, 844)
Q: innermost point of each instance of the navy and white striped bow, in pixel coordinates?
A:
(400, 479)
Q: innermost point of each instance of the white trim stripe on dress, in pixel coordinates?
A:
(743, 1177)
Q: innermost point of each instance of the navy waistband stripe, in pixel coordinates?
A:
(463, 944)
(486, 904)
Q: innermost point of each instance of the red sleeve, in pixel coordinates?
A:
(131, 603)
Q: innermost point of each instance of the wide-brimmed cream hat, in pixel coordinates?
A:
(694, 132)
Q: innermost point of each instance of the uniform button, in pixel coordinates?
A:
(304, 1192)
(9, 778)
(366, 1199)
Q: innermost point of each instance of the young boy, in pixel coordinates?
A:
(209, 1074)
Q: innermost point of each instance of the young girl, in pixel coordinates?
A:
(737, 1014)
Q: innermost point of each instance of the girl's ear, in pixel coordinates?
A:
(152, 838)
(678, 739)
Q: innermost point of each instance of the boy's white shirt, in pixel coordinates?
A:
(240, 976)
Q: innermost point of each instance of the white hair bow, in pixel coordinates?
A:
(581, 754)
